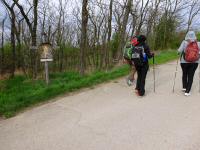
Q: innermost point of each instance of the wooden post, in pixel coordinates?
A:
(46, 72)
(46, 57)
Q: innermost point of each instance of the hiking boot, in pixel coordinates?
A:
(187, 94)
(136, 89)
(138, 93)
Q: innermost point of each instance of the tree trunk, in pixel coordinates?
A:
(13, 44)
(110, 21)
(61, 58)
(2, 49)
(19, 54)
(34, 39)
(107, 48)
(83, 46)
(133, 25)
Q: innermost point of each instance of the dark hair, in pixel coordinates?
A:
(142, 38)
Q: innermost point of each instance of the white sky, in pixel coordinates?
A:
(75, 3)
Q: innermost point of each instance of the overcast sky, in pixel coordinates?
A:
(75, 3)
(2, 11)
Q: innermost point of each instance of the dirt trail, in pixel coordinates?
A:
(111, 117)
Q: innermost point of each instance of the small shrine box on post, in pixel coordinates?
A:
(46, 55)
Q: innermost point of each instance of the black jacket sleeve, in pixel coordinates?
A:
(147, 51)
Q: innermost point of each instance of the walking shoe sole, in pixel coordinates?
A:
(187, 94)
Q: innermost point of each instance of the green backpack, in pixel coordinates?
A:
(127, 52)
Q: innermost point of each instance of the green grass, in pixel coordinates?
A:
(165, 56)
(20, 92)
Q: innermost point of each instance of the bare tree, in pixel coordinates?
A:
(108, 47)
(194, 10)
(123, 30)
(110, 20)
(142, 16)
(60, 32)
(33, 32)
(12, 16)
(83, 45)
(151, 21)
(97, 19)
(97, 32)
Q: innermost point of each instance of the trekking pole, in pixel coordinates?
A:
(175, 75)
(154, 77)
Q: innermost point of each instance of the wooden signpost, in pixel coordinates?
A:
(46, 56)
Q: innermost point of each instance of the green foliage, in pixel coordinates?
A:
(21, 92)
(166, 33)
(177, 39)
(198, 36)
(115, 43)
(71, 50)
(7, 56)
(165, 56)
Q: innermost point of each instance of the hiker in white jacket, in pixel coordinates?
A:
(188, 67)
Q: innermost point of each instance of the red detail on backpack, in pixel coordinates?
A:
(134, 41)
(192, 52)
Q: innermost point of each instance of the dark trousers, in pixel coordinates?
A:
(141, 72)
(188, 75)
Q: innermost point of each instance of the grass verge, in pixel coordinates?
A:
(20, 92)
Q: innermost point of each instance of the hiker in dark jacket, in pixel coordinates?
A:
(188, 68)
(142, 69)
